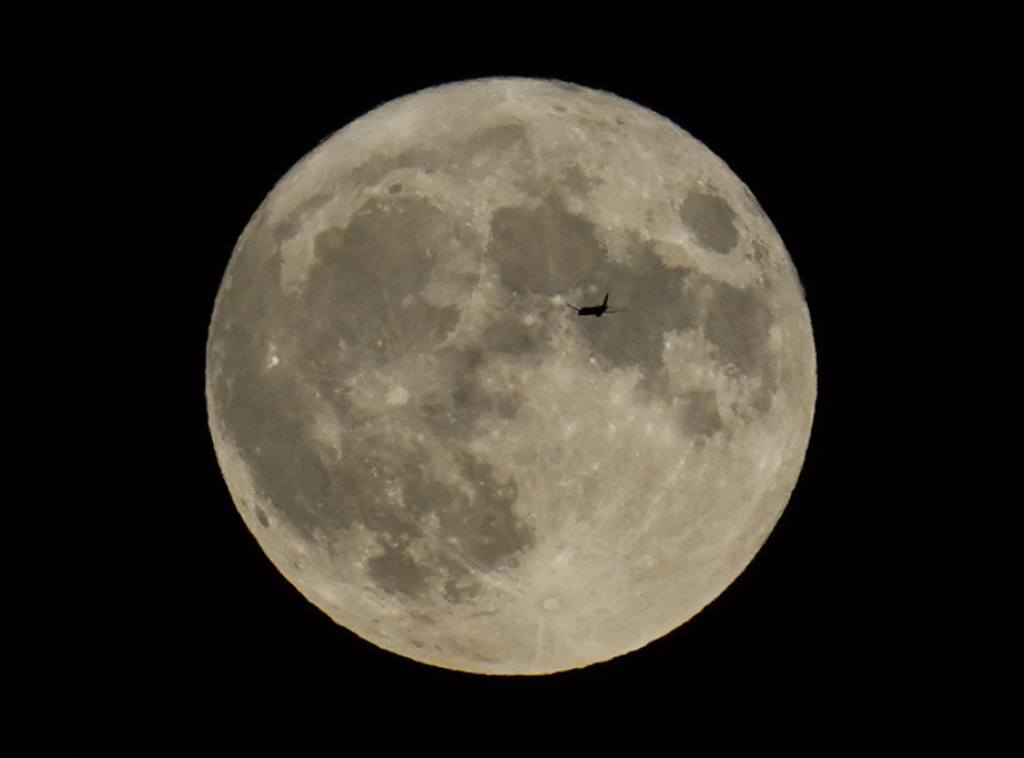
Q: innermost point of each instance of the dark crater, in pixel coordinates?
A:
(712, 221)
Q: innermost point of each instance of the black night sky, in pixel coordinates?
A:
(877, 616)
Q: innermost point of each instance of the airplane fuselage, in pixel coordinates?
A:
(592, 310)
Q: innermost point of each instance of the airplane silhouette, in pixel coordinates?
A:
(593, 310)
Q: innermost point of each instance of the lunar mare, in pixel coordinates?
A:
(445, 458)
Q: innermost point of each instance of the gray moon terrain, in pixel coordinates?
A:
(439, 452)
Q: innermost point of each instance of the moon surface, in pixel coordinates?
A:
(441, 454)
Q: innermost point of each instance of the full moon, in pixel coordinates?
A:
(437, 432)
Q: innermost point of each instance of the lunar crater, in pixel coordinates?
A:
(711, 220)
